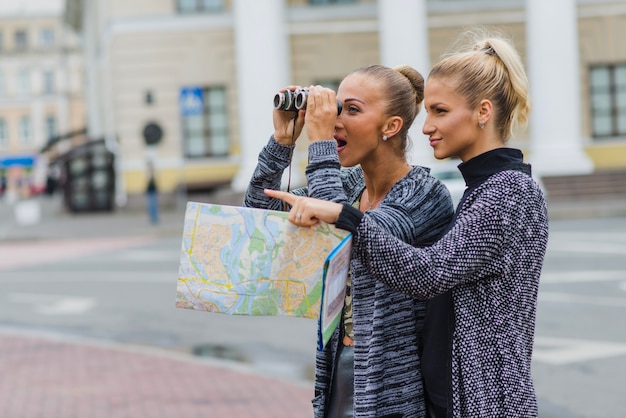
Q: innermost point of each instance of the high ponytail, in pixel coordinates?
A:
(490, 68)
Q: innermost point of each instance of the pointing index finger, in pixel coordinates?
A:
(284, 196)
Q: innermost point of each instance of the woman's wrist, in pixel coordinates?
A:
(286, 141)
(349, 218)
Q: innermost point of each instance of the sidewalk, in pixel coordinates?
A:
(48, 377)
(57, 223)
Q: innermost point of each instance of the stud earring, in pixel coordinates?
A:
(384, 137)
(481, 125)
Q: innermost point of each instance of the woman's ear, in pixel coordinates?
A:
(485, 111)
(392, 126)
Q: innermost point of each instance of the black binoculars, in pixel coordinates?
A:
(295, 100)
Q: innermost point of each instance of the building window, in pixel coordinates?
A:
(4, 137)
(26, 133)
(48, 82)
(205, 122)
(46, 38)
(317, 2)
(51, 127)
(21, 39)
(194, 6)
(608, 100)
(23, 80)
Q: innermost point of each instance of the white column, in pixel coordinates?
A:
(91, 45)
(403, 26)
(262, 68)
(109, 115)
(553, 72)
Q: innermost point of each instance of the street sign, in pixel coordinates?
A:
(21, 161)
(191, 101)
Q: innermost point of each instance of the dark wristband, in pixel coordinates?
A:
(349, 218)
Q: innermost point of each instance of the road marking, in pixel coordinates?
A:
(588, 236)
(587, 247)
(582, 299)
(51, 305)
(150, 255)
(560, 351)
(582, 276)
(21, 254)
(88, 277)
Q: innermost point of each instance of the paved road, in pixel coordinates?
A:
(86, 327)
(580, 345)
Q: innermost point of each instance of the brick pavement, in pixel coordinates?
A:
(46, 377)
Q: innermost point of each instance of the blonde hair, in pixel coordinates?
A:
(489, 67)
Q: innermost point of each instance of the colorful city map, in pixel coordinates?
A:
(245, 261)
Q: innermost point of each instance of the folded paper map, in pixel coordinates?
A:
(245, 261)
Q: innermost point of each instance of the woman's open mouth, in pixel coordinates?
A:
(341, 144)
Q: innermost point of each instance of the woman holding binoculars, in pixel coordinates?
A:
(357, 150)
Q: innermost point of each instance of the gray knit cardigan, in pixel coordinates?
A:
(491, 259)
(387, 323)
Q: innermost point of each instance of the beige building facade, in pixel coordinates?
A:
(187, 85)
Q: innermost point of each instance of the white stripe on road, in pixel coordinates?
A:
(582, 299)
(587, 247)
(54, 304)
(88, 277)
(25, 254)
(149, 255)
(583, 276)
(616, 236)
(560, 351)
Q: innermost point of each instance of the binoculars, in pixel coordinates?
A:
(295, 100)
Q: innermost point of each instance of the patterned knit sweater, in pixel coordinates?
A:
(387, 324)
(491, 259)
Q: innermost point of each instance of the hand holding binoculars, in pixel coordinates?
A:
(295, 100)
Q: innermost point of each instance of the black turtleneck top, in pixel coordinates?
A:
(439, 320)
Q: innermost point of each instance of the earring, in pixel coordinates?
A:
(384, 137)
(481, 125)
